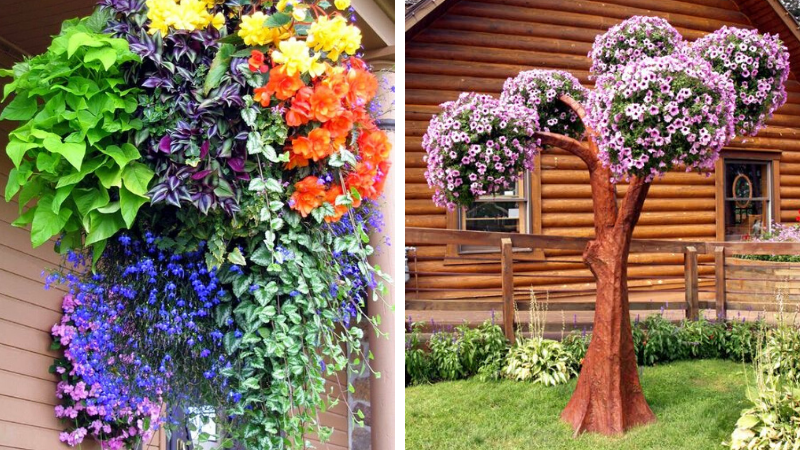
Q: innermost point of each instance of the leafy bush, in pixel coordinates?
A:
(661, 342)
(539, 361)
(483, 350)
(772, 423)
(780, 357)
(419, 367)
(741, 340)
(576, 344)
(72, 150)
(445, 347)
(468, 351)
(702, 339)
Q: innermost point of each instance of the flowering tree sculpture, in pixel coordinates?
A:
(211, 171)
(659, 104)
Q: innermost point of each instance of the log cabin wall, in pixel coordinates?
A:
(468, 45)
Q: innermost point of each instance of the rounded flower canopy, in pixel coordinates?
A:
(478, 146)
(540, 90)
(633, 39)
(758, 66)
(659, 113)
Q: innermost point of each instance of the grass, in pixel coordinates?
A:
(697, 404)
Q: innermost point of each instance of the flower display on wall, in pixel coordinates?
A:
(212, 171)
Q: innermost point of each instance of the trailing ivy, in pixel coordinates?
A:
(71, 151)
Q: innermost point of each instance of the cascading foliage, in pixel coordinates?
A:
(211, 171)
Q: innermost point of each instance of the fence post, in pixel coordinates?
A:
(507, 267)
(690, 273)
(719, 272)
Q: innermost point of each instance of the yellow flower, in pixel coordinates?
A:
(253, 31)
(187, 15)
(295, 56)
(218, 21)
(342, 4)
(299, 13)
(334, 36)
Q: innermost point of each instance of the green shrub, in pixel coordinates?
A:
(483, 350)
(539, 361)
(781, 355)
(660, 342)
(576, 344)
(702, 339)
(445, 356)
(741, 339)
(773, 423)
(419, 367)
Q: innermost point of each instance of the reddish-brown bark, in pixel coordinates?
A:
(608, 398)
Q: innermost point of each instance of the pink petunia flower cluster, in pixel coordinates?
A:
(758, 65)
(540, 90)
(478, 146)
(634, 39)
(659, 113)
(122, 426)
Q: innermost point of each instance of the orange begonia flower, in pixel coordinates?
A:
(337, 81)
(263, 96)
(282, 85)
(374, 145)
(362, 117)
(256, 62)
(300, 111)
(340, 125)
(338, 210)
(308, 194)
(296, 160)
(325, 105)
(363, 179)
(316, 146)
(363, 87)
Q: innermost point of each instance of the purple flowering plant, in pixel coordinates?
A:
(659, 113)
(758, 65)
(540, 90)
(478, 146)
(632, 40)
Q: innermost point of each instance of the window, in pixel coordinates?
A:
(748, 198)
(508, 212)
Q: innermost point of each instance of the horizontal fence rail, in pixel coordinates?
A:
(713, 283)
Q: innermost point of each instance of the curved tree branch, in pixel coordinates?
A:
(571, 145)
(577, 107)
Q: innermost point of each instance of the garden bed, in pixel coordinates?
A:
(697, 404)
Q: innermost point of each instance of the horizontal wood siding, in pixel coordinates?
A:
(476, 45)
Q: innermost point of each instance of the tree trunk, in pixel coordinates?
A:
(609, 398)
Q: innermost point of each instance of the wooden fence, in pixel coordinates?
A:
(692, 283)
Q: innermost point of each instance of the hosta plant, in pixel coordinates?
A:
(773, 423)
(540, 361)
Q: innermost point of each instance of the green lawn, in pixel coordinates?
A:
(697, 404)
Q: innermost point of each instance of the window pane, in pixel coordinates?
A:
(494, 216)
(747, 199)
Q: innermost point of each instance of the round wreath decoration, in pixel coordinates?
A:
(211, 172)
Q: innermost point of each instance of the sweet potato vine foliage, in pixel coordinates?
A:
(211, 171)
(659, 104)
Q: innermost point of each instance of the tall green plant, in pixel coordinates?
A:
(71, 151)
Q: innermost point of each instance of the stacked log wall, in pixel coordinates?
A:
(475, 46)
